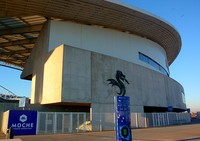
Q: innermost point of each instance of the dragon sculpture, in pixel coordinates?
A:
(119, 82)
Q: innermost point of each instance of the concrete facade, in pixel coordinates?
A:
(67, 74)
(106, 41)
(108, 15)
(146, 88)
(71, 63)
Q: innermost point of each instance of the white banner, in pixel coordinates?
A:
(22, 102)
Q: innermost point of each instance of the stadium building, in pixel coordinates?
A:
(68, 49)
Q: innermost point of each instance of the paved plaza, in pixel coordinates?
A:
(173, 133)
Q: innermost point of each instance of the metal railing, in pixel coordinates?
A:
(71, 122)
(61, 122)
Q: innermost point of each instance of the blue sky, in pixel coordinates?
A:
(10, 79)
(184, 16)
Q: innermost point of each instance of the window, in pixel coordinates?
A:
(153, 63)
(183, 97)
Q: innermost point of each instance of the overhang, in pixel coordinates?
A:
(21, 22)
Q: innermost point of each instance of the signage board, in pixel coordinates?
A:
(188, 110)
(22, 102)
(23, 122)
(170, 108)
(123, 121)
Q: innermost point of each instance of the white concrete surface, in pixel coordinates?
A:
(66, 74)
(4, 122)
(106, 41)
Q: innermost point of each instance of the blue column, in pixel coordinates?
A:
(122, 118)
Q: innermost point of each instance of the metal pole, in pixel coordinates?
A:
(167, 118)
(38, 123)
(100, 127)
(136, 119)
(55, 122)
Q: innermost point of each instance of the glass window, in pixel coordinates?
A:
(141, 57)
(153, 63)
(183, 97)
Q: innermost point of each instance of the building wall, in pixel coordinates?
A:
(52, 78)
(70, 74)
(146, 88)
(106, 41)
(85, 81)
(34, 67)
(4, 121)
(76, 76)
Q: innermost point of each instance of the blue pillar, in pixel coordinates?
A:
(122, 118)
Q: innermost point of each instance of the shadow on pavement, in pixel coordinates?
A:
(191, 139)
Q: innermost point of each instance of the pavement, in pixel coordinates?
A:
(189, 132)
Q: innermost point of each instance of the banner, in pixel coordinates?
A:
(22, 102)
(23, 122)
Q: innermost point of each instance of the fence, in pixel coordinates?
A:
(58, 123)
(61, 122)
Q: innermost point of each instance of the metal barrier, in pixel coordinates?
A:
(71, 122)
(160, 119)
(59, 123)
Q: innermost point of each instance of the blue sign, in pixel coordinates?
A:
(123, 120)
(23, 122)
(188, 110)
(170, 108)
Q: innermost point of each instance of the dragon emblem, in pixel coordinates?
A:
(119, 82)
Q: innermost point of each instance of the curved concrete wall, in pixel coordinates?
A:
(146, 88)
(84, 80)
(71, 75)
(106, 41)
